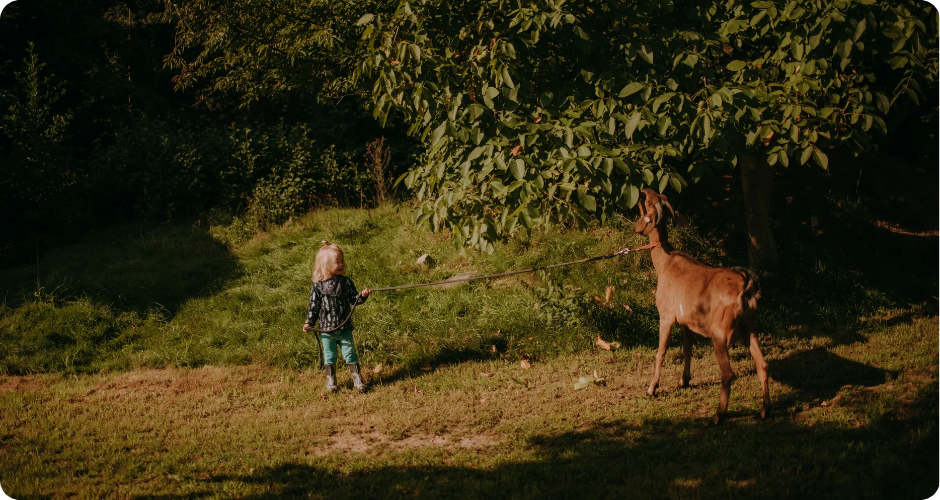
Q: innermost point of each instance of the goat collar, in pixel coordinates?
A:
(648, 246)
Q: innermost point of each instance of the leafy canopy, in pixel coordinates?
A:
(544, 111)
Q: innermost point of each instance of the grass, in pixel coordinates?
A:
(169, 363)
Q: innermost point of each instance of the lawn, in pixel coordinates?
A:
(169, 362)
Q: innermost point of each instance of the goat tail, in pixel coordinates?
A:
(751, 292)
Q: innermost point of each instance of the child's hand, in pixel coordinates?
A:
(365, 292)
(308, 327)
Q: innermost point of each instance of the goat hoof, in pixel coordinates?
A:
(651, 392)
(764, 412)
(716, 419)
(685, 383)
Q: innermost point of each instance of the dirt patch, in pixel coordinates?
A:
(22, 384)
(374, 442)
(185, 382)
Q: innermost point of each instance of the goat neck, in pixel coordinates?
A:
(663, 252)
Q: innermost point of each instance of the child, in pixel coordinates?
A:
(331, 299)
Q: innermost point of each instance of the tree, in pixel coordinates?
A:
(543, 112)
(263, 48)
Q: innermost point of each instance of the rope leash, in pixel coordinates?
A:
(623, 251)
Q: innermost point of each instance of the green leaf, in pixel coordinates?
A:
(645, 54)
(631, 124)
(859, 29)
(415, 51)
(438, 132)
(661, 99)
(784, 159)
(883, 104)
(630, 89)
(545, 99)
(518, 170)
(663, 182)
(821, 158)
(507, 79)
(364, 19)
(663, 125)
(807, 152)
(588, 202)
(675, 184)
(632, 196)
(475, 110)
(796, 48)
(736, 65)
(880, 125)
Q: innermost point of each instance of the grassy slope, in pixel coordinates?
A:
(241, 411)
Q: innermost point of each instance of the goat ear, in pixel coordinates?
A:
(682, 221)
(679, 219)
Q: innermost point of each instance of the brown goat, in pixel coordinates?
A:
(718, 303)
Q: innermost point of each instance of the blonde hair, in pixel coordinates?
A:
(325, 263)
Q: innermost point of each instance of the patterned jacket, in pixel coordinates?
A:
(330, 302)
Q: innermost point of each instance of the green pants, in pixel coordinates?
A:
(345, 340)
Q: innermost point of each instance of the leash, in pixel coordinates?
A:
(623, 251)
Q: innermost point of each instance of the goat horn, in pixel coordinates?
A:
(659, 211)
(672, 211)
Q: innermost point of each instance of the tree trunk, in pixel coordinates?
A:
(757, 178)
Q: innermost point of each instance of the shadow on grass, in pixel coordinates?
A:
(820, 373)
(660, 458)
(445, 356)
(127, 268)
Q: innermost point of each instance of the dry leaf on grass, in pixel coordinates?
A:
(486, 375)
(525, 364)
(602, 344)
(377, 369)
(493, 349)
(627, 308)
(608, 293)
(427, 365)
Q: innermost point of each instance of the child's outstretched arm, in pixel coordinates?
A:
(354, 297)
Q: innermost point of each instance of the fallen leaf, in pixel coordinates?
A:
(608, 293)
(627, 308)
(582, 383)
(377, 369)
(615, 345)
(602, 344)
(525, 364)
(597, 298)
(427, 365)
(516, 150)
(486, 375)
(590, 401)
(493, 349)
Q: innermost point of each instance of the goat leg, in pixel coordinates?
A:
(664, 327)
(687, 354)
(724, 364)
(761, 366)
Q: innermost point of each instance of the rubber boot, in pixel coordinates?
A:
(330, 377)
(356, 377)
